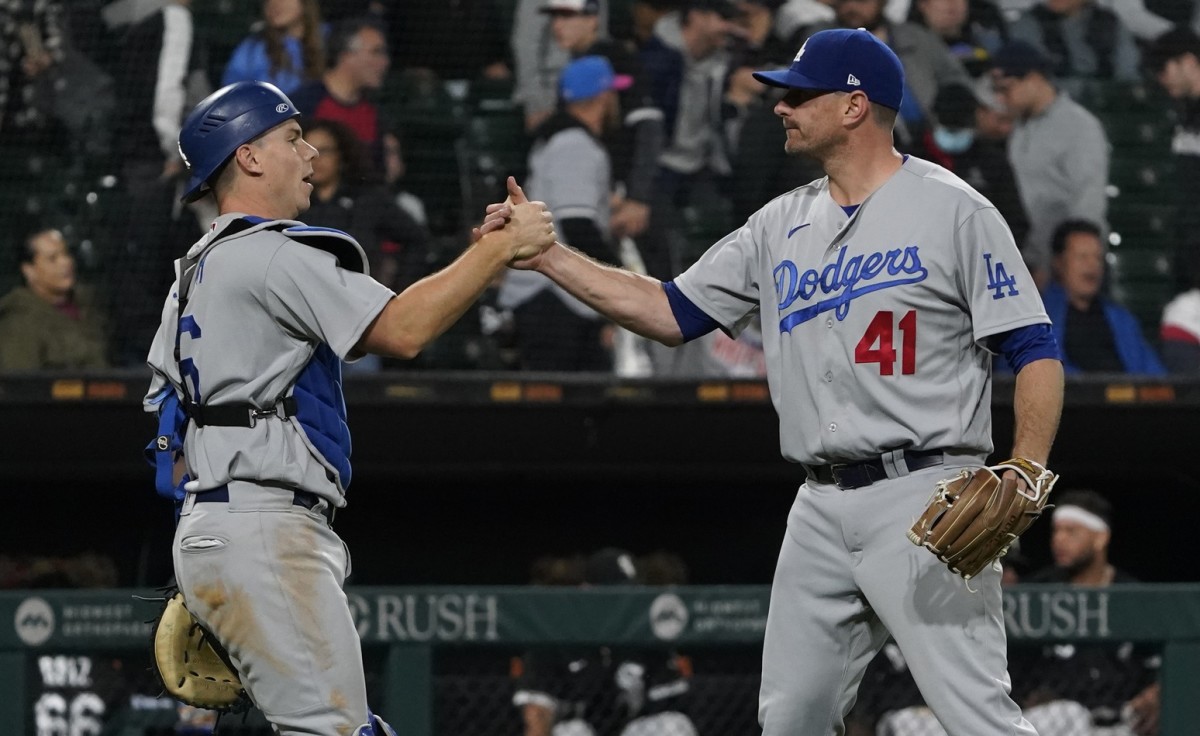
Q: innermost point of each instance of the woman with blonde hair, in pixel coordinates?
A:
(286, 49)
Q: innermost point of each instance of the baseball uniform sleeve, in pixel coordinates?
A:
(725, 281)
(994, 281)
(313, 297)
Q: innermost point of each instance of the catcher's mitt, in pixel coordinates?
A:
(194, 668)
(973, 517)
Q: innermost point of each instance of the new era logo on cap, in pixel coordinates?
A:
(845, 60)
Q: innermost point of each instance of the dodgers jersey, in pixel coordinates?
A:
(874, 324)
(261, 309)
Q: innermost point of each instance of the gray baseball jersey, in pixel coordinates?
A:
(260, 308)
(571, 173)
(874, 324)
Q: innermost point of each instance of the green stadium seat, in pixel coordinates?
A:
(1136, 130)
(1141, 281)
(1138, 180)
(1101, 96)
(1142, 226)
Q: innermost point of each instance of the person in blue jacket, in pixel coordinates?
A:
(1094, 333)
(286, 49)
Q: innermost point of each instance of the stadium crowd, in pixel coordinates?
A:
(637, 121)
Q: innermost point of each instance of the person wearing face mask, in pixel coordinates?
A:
(968, 137)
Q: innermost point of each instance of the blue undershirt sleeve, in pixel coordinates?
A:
(1024, 345)
(693, 321)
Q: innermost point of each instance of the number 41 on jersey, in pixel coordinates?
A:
(878, 343)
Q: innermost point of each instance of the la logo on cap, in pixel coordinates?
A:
(853, 80)
(800, 52)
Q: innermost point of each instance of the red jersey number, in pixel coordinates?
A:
(878, 343)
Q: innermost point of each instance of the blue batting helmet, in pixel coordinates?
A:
(224, 120)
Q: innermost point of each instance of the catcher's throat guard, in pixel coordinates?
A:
(194, 668)
(972, 518)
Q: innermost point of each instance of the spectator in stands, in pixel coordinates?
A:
(1174, 60)
(1180, 330)
(52, 322)
(758, 172)
(646, 14)
(1116, 685)
(580, 691)
(461, 39)
(636, 144)
(347, 197)
(1058, 150)
(795, 16)
(927, 61)
(1081, 39)
(970, 138)
(686, 62)
(973, 30)
(1093, 332)
(31, 42)
(358, 62)
(151, 76)
(569, 170)
(287, 50)
(538, 58)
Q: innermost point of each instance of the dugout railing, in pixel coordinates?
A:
(404, 630)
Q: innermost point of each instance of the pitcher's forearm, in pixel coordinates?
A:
(634, 301)
(1038, 406)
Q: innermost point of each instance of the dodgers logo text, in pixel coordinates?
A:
(843, 281)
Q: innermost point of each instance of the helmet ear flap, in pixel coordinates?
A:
(222, 122)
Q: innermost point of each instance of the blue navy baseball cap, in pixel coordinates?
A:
(844, 60)
(589, 76)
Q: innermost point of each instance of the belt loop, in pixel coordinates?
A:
(894, 464)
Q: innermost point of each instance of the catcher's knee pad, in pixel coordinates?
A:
(375, 726)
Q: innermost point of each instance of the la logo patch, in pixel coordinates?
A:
(800, 52)
(998, 279)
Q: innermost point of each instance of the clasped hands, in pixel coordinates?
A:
(530, 223)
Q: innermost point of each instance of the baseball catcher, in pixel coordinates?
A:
(194, 668)
(973, 517)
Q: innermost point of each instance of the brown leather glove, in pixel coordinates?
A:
(973, 517)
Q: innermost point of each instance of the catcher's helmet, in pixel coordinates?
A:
(223, 121)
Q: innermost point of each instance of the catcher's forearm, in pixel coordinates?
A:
(1038, 406)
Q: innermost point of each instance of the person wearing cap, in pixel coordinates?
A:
(537, 58)
(604, 691)
(634, 145)
(252, 444)
(928, 63)
(1115, 684)
(1058, 150)
(1173, 60)
(570, 170)
(1081, 38)
(884, 288)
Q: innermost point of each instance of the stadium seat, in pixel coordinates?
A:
(1142, 226)
(1103, 96)
(1135, 130)
(1139, 180)
(1141, 280)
